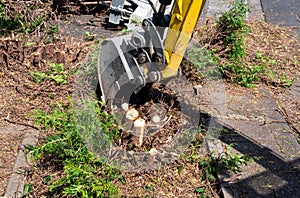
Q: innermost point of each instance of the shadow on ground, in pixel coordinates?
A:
(279, 178)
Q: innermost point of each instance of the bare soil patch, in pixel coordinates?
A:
(10, 139)
(179, 179)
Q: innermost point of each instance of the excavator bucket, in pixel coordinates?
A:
(151, 53)
(118, 72)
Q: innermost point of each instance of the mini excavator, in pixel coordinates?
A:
(151, 51)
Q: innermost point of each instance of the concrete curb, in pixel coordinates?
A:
(215, 8)
(22, 166)
(256, 11)
(215, 145)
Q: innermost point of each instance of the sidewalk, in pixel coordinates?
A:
(255, 127)
(215, 8)
(251, 121)
(284, 13)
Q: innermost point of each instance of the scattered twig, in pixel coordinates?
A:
(21, 123)
(283, 112)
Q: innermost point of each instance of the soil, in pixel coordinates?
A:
(160, 101)
(282, 45)
(9, 141)
(21, 95)
(179, 179)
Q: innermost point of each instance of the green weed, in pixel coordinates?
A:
(55, 73)
(27, 189)
(272, 77)
(51, 34)
(148, 187)
(242, 74)
(89, 36)
(200, 190)
(232, 25)
(12, 22)
(53, 29)
(85, 175)
(8, 24)
(285, 81)
(38, 77)
(34, 25)
(225, 40)
(225, 161)
(203, 61)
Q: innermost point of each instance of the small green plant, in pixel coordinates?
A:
(203, 61)
(52, 34)
(89, 36)
(148, 187)
(232, 28)
(232, 25)
(34, 25)
(285, 81)
(242, 74)
(27, 189)
(55, 73)
(225, 161)
(17, 21)
(200, 190)
(268, 73)
(38, 77)
(53, 29)
(85, 175)
(5, 22)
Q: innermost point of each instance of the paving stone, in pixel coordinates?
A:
(272, 141)
(270, 175)
(256, 12)
(284, 13)
(10, 140)
(22, 166)
(295, 92)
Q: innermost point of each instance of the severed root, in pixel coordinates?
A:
(131, 115)
(139, 129)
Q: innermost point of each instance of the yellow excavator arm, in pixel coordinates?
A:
(184, 18)
(151, 52)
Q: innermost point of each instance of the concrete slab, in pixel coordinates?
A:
(22, 166)
(215, 8)
(256, 12)
(10, 140)
(252, 123)
(284, 13)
